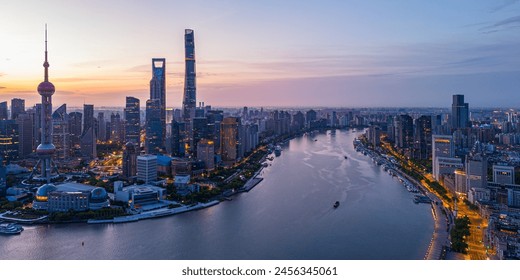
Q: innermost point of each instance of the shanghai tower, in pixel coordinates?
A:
(190, 88)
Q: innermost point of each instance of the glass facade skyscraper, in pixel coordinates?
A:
(154, 136)
(88, 117)
(459, 112)
(158, 91)
(190, 86)
(132, 121)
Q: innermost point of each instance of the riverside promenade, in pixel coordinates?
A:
(440, 237)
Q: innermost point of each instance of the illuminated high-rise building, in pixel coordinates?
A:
(423, 137)
(459, 112)
(442, 150)
(153, 143)
(190, 87)
(60, 132)
(25, 128)
(9, 140)
(17, 107)
(229, 140)
(3, 111)
(88, 117)
(158, 91)
(206, 153)
(130, 160)
(75, 119)
(132, 121)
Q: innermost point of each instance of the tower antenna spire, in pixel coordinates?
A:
(46, 63)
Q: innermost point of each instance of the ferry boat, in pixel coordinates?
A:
(10, 229)
(277, 151)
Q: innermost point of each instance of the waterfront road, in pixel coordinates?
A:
(440, 237)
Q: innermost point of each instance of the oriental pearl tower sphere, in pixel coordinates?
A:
(46, 149)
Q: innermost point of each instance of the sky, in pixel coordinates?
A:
(345, 53)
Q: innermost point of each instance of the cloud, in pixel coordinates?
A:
(91, 79)
(503, 5)
(512, 22)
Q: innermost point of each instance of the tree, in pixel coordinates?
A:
(459, 233)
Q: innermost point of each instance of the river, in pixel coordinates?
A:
(289, 215)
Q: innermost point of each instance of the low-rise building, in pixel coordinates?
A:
(70, 196)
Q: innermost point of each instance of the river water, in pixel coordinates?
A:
(289, 215)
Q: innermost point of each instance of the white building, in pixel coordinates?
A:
(137, 196)
(445, 165)
(442, 146)
(147, 168)
(476, 172)
(503, 174)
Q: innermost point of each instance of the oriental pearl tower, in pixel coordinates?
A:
(46, 149)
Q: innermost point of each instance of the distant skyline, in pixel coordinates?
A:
(267, 53)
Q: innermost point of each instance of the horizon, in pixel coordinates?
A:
(396, 54)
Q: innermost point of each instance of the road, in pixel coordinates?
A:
(476, 246)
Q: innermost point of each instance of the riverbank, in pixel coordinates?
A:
(440, 235)
(155, 213)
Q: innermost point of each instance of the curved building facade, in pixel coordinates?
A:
(70, 196)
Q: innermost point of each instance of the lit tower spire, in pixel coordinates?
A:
(46, 149)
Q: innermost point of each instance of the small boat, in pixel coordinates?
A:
(315, 139)
(336, 204)
(346, 157)
(10, 229)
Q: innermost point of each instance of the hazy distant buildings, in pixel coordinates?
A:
(17, 107)
(116, 128)
(310, 116)
(133, 121)
(102, 127)
(147, 168)
(158, 92)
